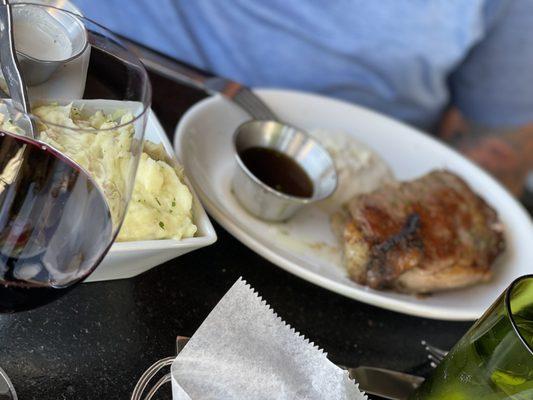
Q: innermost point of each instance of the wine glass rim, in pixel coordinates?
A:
(510, 312)
(146, 101)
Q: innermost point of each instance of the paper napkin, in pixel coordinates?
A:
(243, 350)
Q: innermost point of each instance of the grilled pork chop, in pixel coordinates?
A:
(433, 233)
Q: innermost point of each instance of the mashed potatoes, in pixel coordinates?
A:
(161, 204)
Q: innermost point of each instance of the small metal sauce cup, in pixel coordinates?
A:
(37, 71)
(264, 201)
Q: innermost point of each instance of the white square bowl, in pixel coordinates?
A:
(128, 259)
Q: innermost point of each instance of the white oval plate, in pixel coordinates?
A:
(304, 245)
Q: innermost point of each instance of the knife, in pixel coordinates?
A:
(386, 383)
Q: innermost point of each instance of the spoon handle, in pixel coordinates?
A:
(9, 63)
(212, 84)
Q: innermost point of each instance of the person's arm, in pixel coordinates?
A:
(491, 118)
(506, 154)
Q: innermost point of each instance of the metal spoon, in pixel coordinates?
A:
(265, 130)
(11, 70)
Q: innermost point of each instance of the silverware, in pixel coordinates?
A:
(264, 201)
(266, 130)
(435, 355)
(386, 383)
(181, 342)
(203, 80)
(382, 382)
(11, 70)
(60, 22)
(239, 94)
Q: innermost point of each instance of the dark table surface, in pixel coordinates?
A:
(96, 341)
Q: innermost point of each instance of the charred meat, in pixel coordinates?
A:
(430, 234)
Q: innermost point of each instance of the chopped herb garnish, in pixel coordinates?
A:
(156, 199)
(161, 225)
(174, 204)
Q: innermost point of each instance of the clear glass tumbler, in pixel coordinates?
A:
(494, 360)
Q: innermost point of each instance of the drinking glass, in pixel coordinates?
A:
(494, 360)
(64, 188)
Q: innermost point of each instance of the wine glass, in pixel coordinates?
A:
(64, 189)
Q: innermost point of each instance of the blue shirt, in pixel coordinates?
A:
(406, 58)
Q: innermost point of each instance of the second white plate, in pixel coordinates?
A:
(305, 245)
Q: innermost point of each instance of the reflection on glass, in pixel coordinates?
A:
(494, 360)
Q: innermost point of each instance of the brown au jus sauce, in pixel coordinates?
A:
(278, 171)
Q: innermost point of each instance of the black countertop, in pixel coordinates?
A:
(97, 340)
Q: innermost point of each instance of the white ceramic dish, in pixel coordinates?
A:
(128, 259)
(304, 245)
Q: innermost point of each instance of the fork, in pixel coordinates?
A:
(184, 73)
(434, 354)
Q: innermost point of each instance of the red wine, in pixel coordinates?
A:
(55, 224)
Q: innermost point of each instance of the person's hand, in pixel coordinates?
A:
(500, 158)
(508, 156)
